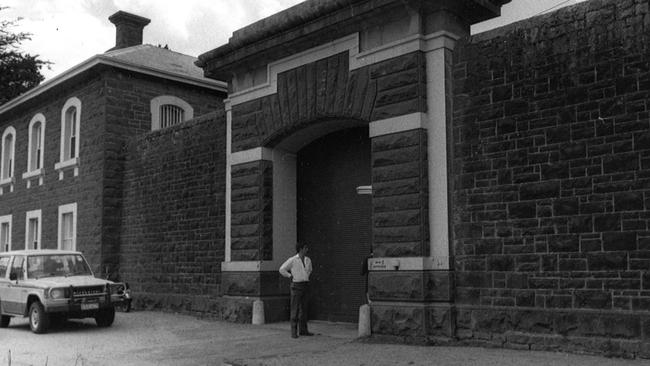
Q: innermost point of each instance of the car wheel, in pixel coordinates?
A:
(105, 317)
(125, 306)
(39, 320)
(4, 321)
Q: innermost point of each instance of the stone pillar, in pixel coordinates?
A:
(412, 293)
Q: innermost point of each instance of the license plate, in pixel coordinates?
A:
(89, 306)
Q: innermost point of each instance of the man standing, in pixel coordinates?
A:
(298, 268)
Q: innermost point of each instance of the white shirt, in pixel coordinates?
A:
(293, 267)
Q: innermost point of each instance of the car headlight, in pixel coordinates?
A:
(57, 293)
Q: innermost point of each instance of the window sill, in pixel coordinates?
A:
(33, 174)
(7, 185)
(67, 165)
(28, 176)
(7, 181)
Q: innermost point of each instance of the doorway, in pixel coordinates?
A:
(335, 221)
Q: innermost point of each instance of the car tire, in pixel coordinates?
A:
(39, 320)
(125, 306)
(105, 317)
(4, 321)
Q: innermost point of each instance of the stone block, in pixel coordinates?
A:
(592, 299)
(608, 222)
(522, 210)
(628, 201)
(539, 190)
(563, 243)
(614, 261)
(565, 206)
(618, 241)
(399, 320)
(620, 163)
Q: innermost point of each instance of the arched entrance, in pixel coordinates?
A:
(335, 221)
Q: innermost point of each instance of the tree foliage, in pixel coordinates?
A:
(19, 71)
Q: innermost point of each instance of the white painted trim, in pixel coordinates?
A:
(247, 156)
(39, 117)
(6, 219)
(8, 131)
(228, 229)
(68, 164)
(403, 123)
(33, 173)
(350, 43)
(34, 214)
(387, 51)
(64, 209)
(249, 266)
(188, 111)
(73, 102)
(284, 208)
(408, 264)
(436, 65)
(104, 60)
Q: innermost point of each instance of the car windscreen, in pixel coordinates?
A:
(53, 265)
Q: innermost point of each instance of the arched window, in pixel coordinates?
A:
(36, 137)
(7, 159)
(167, 110)
(70, 124)
(36, 142)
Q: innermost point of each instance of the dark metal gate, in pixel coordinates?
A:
(335, 221)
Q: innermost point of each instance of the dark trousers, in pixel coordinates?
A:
(299, 304)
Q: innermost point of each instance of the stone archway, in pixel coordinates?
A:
(387, 64)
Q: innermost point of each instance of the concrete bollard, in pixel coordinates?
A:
(258, 312)
(364, 321)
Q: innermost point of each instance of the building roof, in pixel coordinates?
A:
(157, 58)
(144, 59)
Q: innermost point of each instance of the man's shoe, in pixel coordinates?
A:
(294, 336)
(306, 333)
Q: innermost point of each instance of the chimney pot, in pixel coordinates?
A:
(128, 29)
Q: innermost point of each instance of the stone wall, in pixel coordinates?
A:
(172, 241)
(128, 113)
(551, 174)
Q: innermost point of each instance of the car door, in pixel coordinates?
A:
(14, 301)
(4, 280)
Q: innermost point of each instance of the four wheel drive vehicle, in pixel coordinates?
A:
(54, 284)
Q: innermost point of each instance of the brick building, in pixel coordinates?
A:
(63, 142)
(499, 180)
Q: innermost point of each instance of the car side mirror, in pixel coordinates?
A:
(13, 276)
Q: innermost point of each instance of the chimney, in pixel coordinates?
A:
(128, 29)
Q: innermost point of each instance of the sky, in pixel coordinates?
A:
(67, 32)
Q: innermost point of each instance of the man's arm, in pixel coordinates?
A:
(285, 268)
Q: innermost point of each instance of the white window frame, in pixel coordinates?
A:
(157, 102)
(35, 214)
(8, 183)
(5, 220)
(72, 163)
(33, 172)
(65, 209)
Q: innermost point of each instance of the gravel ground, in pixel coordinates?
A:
(153, 338)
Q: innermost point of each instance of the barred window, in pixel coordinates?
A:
(167, 111)
(170, 115)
